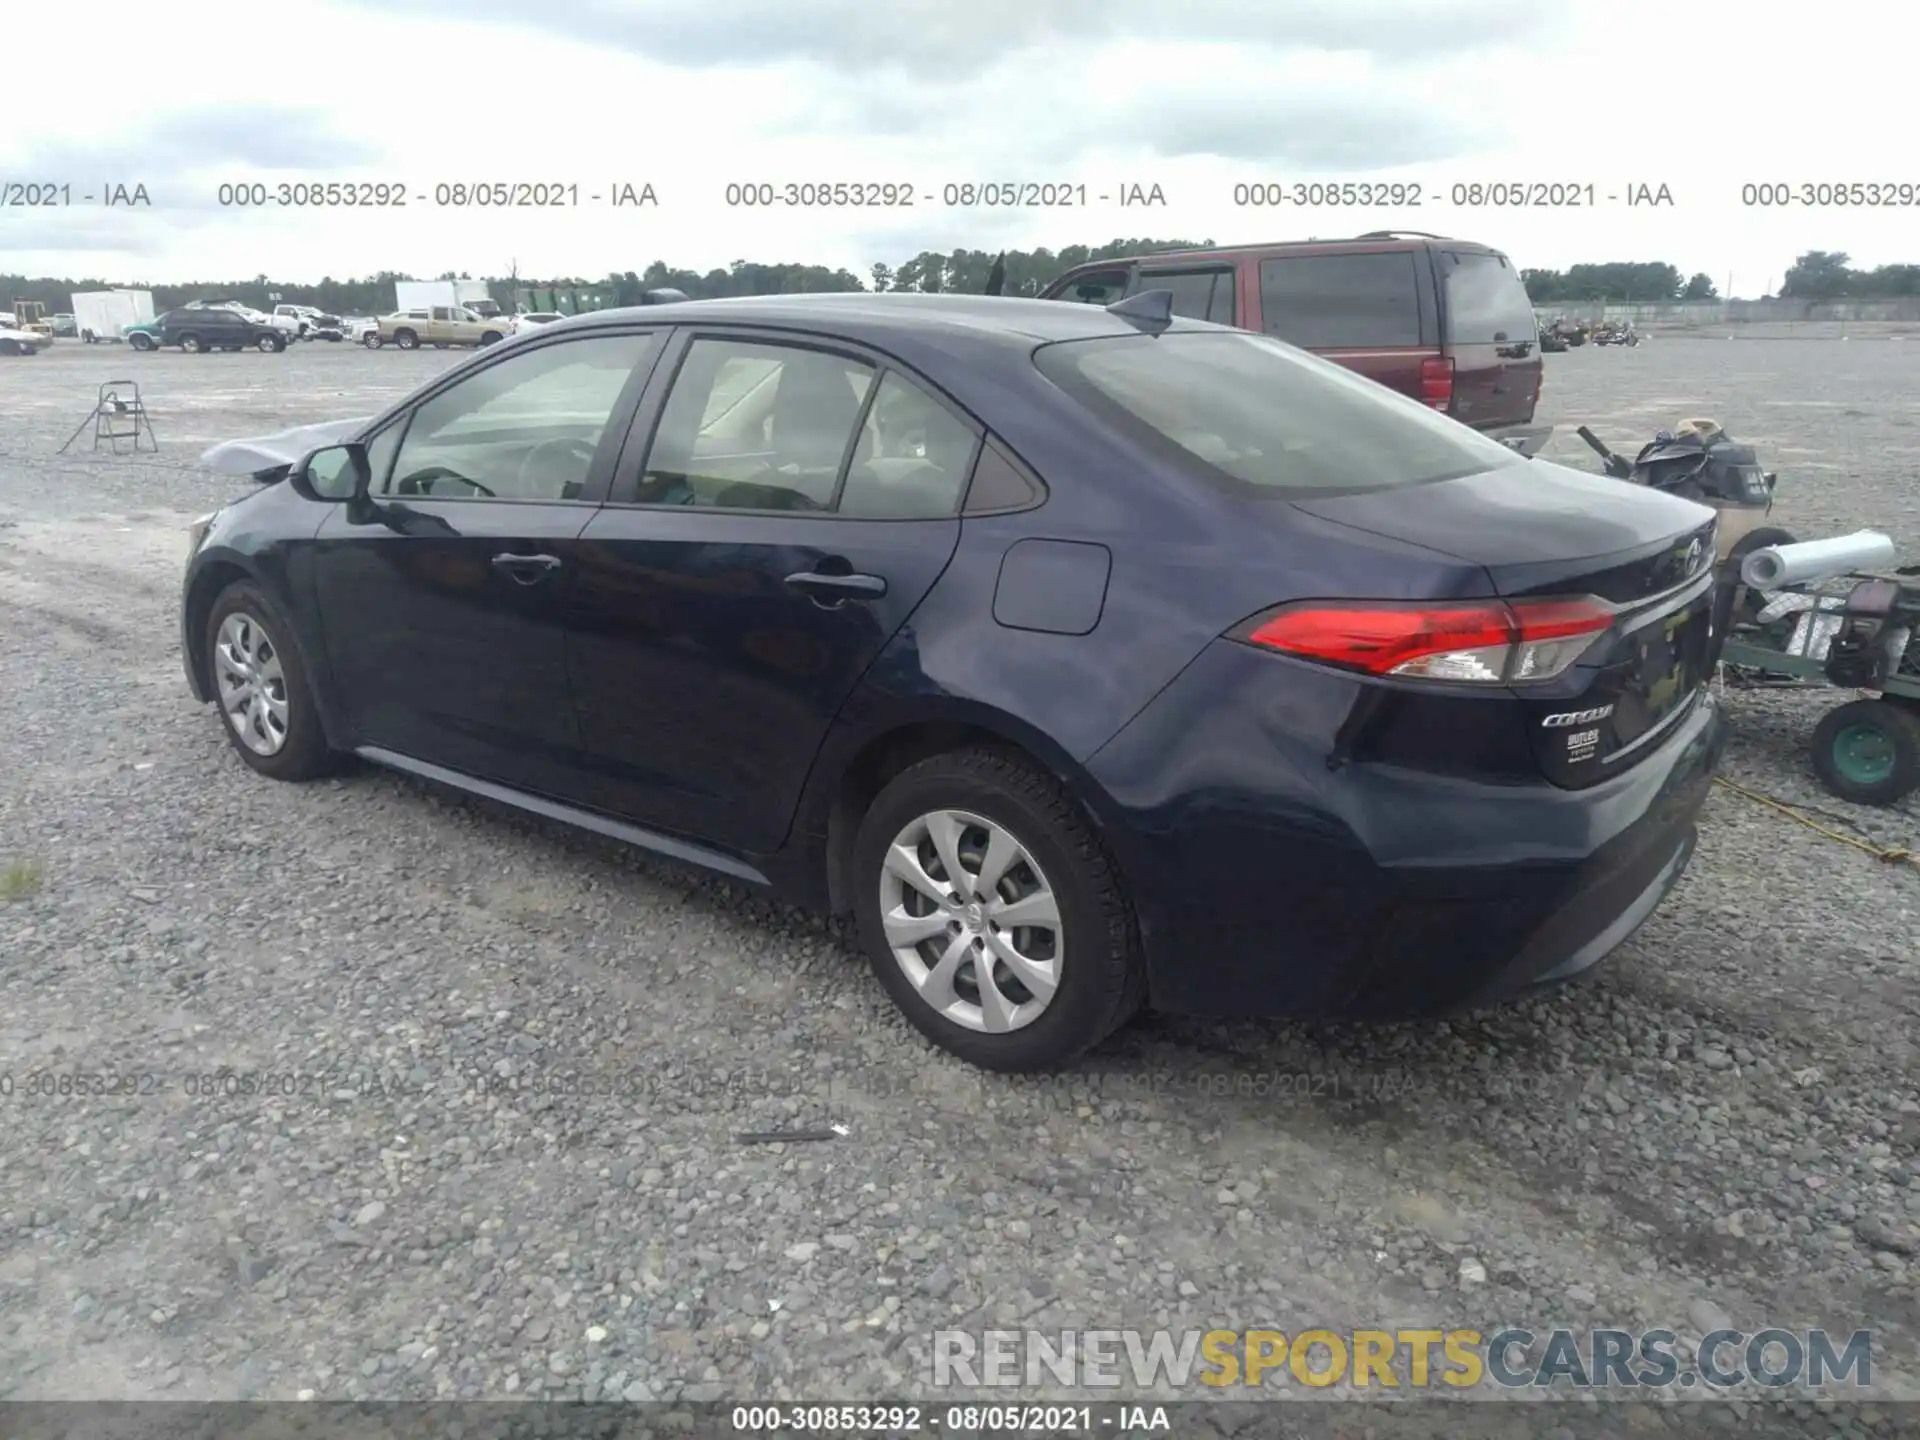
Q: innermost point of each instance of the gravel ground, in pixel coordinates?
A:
(1723, 1124)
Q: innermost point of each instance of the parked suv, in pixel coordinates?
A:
(437, 325)
(197, 329)
(1445, 321)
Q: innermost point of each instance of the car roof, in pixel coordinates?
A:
(899, 317)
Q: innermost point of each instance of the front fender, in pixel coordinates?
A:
(229, 554)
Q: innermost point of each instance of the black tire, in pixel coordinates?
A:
(141, 342)
(1103, 979)
(191, 344)
(303, 754)
(269, 344)
(406, 339)
(490, 337)
(1868, 751)
(372, 340)
(1729, 586)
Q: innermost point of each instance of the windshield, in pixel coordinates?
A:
(1264, 417)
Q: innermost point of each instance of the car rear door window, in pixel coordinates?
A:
(1487, 302)
(912, 459)
(523, 428)
(754, 426)
(1196, 293)
(1263, 418)
(1341, 302)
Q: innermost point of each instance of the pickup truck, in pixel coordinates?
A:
(435, 325)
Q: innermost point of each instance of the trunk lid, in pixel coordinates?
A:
(1489, 332)
(1542, 531)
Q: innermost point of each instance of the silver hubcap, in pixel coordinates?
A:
(972, 921)
(253, 689)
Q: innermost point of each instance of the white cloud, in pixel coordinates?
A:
(689, 95)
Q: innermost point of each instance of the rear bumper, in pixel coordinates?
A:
(1529, 440)
(1272, 881)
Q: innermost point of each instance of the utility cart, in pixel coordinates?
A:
(1853, 632)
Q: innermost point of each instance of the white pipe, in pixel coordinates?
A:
(1811, 560)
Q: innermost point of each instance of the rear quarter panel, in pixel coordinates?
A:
(1188, 563)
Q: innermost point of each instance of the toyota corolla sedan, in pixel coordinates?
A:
(1088, 658)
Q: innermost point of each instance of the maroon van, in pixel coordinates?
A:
(1446, 321)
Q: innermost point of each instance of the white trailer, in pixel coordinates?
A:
(102, 316)
(425, 294)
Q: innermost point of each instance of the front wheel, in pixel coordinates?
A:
(269, 344)
(992, 914)
(140, 342)
(372, 340)
(406, 340)
(260, 685)
(191, 344)
(1868, 751)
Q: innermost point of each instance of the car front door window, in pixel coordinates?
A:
(1192, 290)
(526, 428)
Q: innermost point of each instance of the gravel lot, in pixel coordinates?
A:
(1723, 1124)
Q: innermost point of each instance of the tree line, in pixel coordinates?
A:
(1816, 275)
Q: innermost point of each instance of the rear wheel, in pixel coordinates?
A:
(1868, 751)
(406, 339)
(992, 914)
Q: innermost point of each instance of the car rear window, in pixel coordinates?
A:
(1487, 303)
(1264, 417)
(1342, 302)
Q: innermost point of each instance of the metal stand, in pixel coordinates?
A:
(119, 414)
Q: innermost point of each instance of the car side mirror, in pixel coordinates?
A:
(333, 475)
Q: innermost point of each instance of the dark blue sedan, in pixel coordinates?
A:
(1087, 658)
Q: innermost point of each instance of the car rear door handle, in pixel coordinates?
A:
(527, 569)
(832, 589)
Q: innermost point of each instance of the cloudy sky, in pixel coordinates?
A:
(688, 96)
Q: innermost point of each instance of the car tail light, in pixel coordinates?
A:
(1491, 642)
(1436, 382)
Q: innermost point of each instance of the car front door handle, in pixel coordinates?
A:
(527, 569)
(833, 589)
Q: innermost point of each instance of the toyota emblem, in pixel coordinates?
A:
(1693, 556)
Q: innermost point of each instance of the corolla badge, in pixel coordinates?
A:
(1569, 718)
